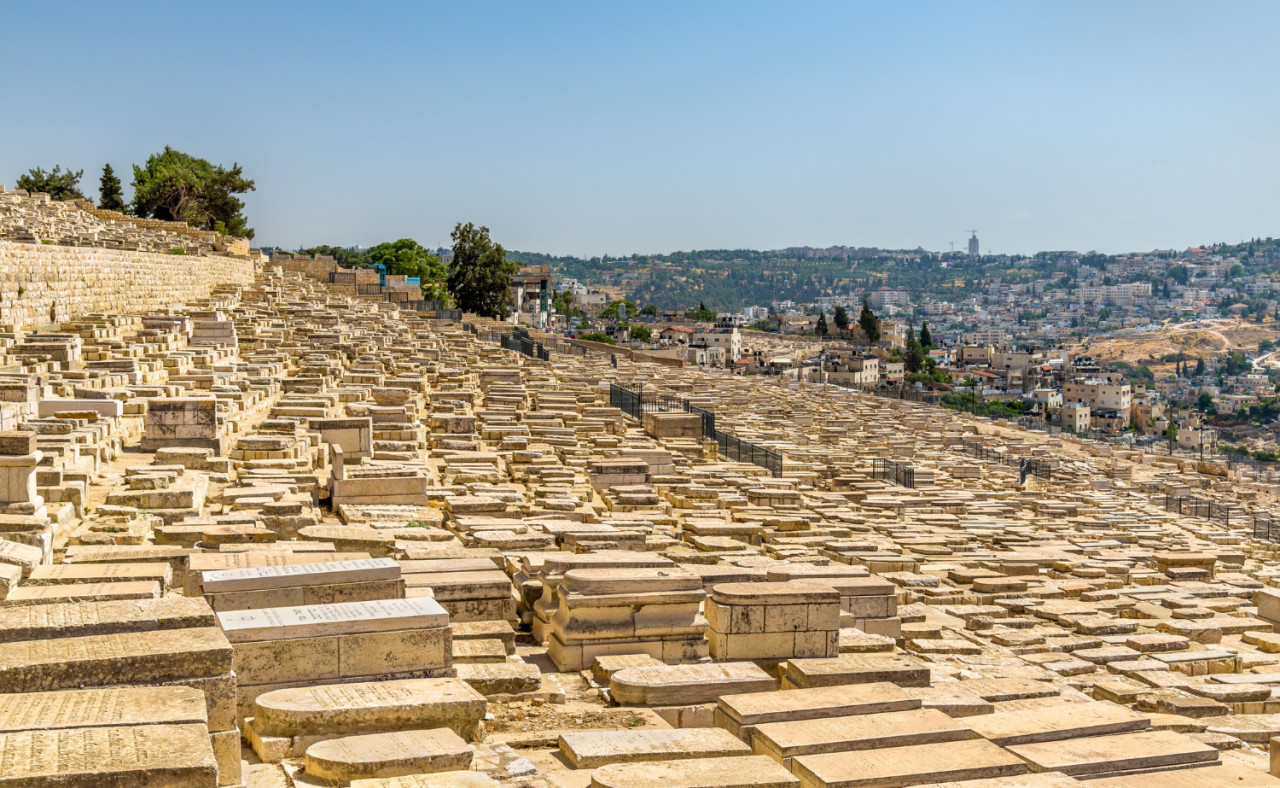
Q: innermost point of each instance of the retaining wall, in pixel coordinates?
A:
(60, 283)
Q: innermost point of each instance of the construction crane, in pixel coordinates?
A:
(973, 232)
(953, 247)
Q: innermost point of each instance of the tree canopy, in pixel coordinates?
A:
(57, 183)
(926, 338)
(110, 197)
(842, 318)
(612, 310)
(344, 257)
(479, 275)
(702, 313)
(407, 257)
(869, 323)
(177, 187)
(821, 328)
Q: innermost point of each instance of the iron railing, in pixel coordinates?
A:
(899, 473)
(1027, 466)
(636, 403)
(1197, 507)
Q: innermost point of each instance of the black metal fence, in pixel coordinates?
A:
(899, 473)
(1197, 507)
(520, 341)
(1028, 466)
(739, 450)
(1264, 528)
(636, 403)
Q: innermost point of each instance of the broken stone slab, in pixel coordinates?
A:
(672, 685)
(137, 755)
(500, 678)
(1124, 752)
(975, 759)
(739, 714)
(388, 754)
(24, 556)
(590, 749)
(746, 771)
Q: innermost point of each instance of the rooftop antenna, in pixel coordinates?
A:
(975, 232)
(953, 247)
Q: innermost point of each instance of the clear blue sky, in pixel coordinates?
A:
(603, 127)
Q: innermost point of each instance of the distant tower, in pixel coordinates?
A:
(973, 244)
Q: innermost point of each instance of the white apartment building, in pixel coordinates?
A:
(1101, 395)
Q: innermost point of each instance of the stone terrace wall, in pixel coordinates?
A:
(61, 283)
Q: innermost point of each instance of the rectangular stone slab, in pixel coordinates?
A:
(100, 660)
(260, 578)
(747, 771)
(1051, 723)
(25, 596)
(783, 741)
(1220, 776)
(737, 712)
(138, 755)
(589, 749)
(898, 766)
(309, 621)
(1125, 752)
(91, 708)
(104, 618)
(199, 563)
(100, 573)
(857, 669)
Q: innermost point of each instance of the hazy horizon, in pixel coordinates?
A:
(589, 129)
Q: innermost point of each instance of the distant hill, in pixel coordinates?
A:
(731, 279)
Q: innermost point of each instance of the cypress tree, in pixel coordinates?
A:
(110, 197)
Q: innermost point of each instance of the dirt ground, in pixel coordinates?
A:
(1205, 339)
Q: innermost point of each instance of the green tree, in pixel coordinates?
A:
(869, 323)
(641, 333)
(649, 310)
(58, 184)
(407, 257)
(341, 255)
(110, 197)
(480, 273)
(842, 319)
(613, 308)
(914, 358)
(596, 336)
(702, 314)
(926, 338)
(821, 329)
(1204, 402)
(1199, 366)
(177, 187)
(563, 303)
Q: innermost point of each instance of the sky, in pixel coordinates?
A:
(615, 128)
